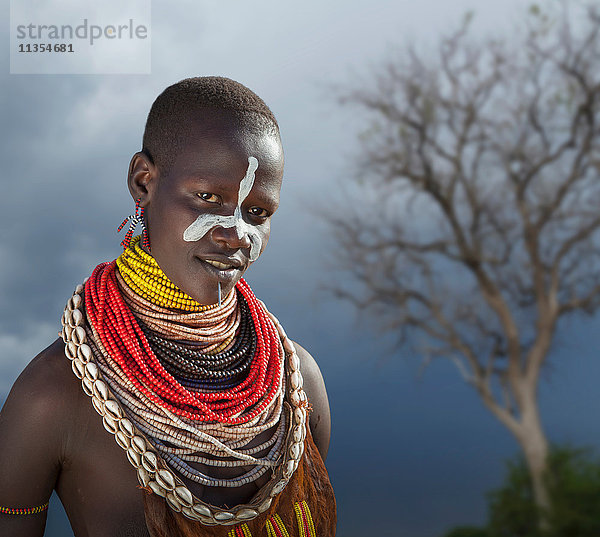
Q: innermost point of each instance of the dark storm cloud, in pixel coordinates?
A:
(57, 196)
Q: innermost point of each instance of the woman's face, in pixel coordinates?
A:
(209, 216)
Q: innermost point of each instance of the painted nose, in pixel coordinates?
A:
(230, 237)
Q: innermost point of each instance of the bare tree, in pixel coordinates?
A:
(475, 226)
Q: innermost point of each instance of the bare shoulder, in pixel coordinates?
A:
(44, 392)
(33, 426)
(47, 381)
(314, 386)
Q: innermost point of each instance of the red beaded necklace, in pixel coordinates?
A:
(124, 339)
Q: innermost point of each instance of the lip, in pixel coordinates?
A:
(224, 275)
(233, 261)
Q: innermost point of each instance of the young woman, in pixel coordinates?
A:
(174, 403)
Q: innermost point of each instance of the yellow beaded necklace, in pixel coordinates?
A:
(143, 275)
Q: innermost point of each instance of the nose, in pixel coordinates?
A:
(229, 237)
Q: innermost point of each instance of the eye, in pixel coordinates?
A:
(258, 212)
(207, 196)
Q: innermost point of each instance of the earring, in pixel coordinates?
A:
(134, 220)
(145, 238)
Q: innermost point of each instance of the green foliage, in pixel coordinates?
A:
(467, 531)
(575, 493)
(512, 510)
(574, 486)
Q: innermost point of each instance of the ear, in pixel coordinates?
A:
(142, 178)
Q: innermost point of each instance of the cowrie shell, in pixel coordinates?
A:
(299, 416)
(165, 479)
(78, 335)
(78, 368)
(88, 386)
(71, 350)
(149, 461)
(109, 424)
(143, 477)
(173, 502)
(295, 451)
(265, 505)
(296, 380)
(98, 405)
(278, 488)
(122, 440)
(77, 318)
(157, 489)
(188, 512)
(113, 409)
(246, 514)
(136, 460)
(127, 427)
(201, 509)
(223, 515)
(84, 352)
(101, 390)
(91, 371)
(184, 496)
(139, 444)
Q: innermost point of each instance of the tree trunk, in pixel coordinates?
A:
(535, 448)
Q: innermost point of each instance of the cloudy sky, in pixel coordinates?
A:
(409, 456)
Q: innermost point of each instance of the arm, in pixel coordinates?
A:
(31, 433)
(314, 386)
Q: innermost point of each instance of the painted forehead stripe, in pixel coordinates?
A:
(248, 180)
(205, 222)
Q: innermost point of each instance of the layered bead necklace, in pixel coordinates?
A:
(199, 381)
(145, 278)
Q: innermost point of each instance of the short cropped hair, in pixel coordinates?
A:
(169, 121)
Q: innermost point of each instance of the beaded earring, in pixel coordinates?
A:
(134, 220)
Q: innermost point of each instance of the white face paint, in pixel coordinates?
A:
(205, 222)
